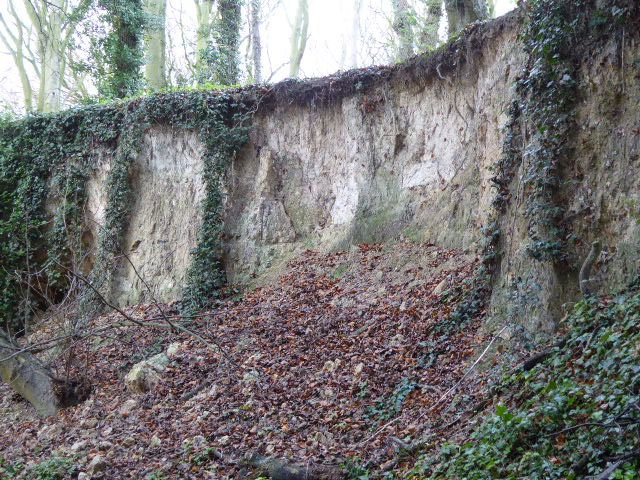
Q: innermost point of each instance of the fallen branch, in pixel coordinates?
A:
(212, 345)
(542, 356)
(617, 461)
(277, 469)
(475, 364)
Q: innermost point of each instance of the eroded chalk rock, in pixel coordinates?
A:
(144, 376)
(97, 465)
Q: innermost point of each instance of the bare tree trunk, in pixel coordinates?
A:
(299, 36)
(155, 69)
(39, 43)
(460, 13)
(256, 41)
(16, 44)
(429, 36)
(204, 17)
(402, 26)
(357, 13)
(28, 377)
(49, 41)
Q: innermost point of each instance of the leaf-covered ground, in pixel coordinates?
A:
(345, 356)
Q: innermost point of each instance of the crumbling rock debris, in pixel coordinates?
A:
(144, 376)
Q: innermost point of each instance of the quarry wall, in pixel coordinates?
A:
(406, 157)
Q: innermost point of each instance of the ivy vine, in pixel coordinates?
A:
(573, 416)
(120, 53)
(45, 160)
(555, 36)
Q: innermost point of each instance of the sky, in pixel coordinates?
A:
(330, 46)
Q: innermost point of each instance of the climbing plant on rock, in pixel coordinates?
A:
(46, 160)
(555, 36)
(549, 92)
(43, 159)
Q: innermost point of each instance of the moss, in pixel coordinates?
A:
(374, 227)
(633, 207)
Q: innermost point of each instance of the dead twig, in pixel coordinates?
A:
(475, 364)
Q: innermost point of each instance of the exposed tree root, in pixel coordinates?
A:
(34, 382)
(585, 271)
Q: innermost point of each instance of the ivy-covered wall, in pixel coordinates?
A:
(574, 167)
(45, 163)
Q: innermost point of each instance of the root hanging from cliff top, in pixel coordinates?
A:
(587, 266)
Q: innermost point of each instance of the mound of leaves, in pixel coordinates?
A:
(577, 415)
(346, 356)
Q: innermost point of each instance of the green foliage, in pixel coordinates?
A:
(555, 36)
(223, 132)
(354, 470)
(387, 408)
(157, 475)
(10, 470)
(221, 57)
(340, 271)
(549, 94)
(42, 158)
(55, 468)
(221, 122)
(475, 299)
(47, 159)
(569, 417)
(120, 53)
(204, 457)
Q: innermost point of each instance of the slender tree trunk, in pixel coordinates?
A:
(402, 26)
(256, 41)
(54, 23)
(491, 8)
(299, 36)
(15, 44)
(429, 35)
(27, 90)
(124, 53)
(52, 59)
(27, 377)
(355, 34)
(218, 42)
(454, 18)
(155, 69)
(226, 60)
(204, 15)
(460, 13)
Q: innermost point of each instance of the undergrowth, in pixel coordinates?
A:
(576, 414)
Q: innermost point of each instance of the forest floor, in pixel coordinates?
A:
(346, 359)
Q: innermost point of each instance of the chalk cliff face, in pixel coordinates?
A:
(600, 191)
(165, 215)
(407, 158)
(404, 159)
